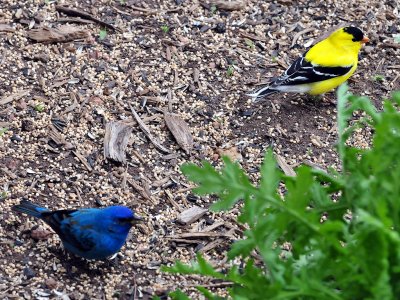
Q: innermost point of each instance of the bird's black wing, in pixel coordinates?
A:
(56, 218)
(302, 71)
(68, 230)
(78, 237)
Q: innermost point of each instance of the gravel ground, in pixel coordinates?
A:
(190, 58)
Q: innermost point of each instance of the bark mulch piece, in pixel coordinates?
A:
(178, 73)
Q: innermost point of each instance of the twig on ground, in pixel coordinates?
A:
(79, 13)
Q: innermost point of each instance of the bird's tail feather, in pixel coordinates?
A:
(29, 208)
(262, 93)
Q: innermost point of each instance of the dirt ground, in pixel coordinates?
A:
(192, 58)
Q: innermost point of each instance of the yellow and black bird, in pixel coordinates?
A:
(322, 68)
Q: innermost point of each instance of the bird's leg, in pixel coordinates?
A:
(74, 264)
(56, 251)
(68, 264)
(112, 261)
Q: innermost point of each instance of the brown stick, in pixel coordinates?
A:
(389, 45)
(146, 131)
(299, 34)
(79, 13)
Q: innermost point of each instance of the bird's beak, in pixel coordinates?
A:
(365, 40)
(137, 219)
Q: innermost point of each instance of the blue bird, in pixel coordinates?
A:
(92, 233)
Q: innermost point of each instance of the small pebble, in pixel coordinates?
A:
(29, 273)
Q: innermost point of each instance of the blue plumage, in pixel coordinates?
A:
(92, 233)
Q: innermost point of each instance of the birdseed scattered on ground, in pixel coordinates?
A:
(189, 58)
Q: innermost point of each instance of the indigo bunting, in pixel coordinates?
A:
(92, 233)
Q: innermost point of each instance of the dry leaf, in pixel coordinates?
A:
(64, 33)
(180, 130)
(116, 139)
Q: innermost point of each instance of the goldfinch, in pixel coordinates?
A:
(322, 68)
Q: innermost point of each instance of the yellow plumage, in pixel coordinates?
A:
(322, 68)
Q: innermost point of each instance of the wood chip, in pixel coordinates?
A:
(299, 34)
(56, 136)
(143, 10)
(196, 75)
(58, 83)
(74, 20)
(140, 190)
(253, 37)
(14, 97)
(169, 96)
(288, 170)
(170, 156)
(199, 235)
(6, 28)
(146, 131)
(226, 5)
(146, 188)
(74, 105)
(64, 33)
(232, 153)
(211, 245)
(186, 241)
(116, 139)
(212, 285)
(83, 160)
(180, 130)
(316, 141)
(191, 215)
(80, 13)
(213, 226)
(389, 45)
(314, 165)
(173, 202)
(285, 2)
(41, 234)
(168, 56)
(160, 182)
(5, 124)
(8, 172)
(139, 156)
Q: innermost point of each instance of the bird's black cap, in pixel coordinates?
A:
(357, 34)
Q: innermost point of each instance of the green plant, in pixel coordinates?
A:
(165, 28)
(213, 9)
(3, 131)
(230, 70)
(39, 107)
(249, 43)
(3, 195)
(343, 227)
(102, 34)
(379, 78)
